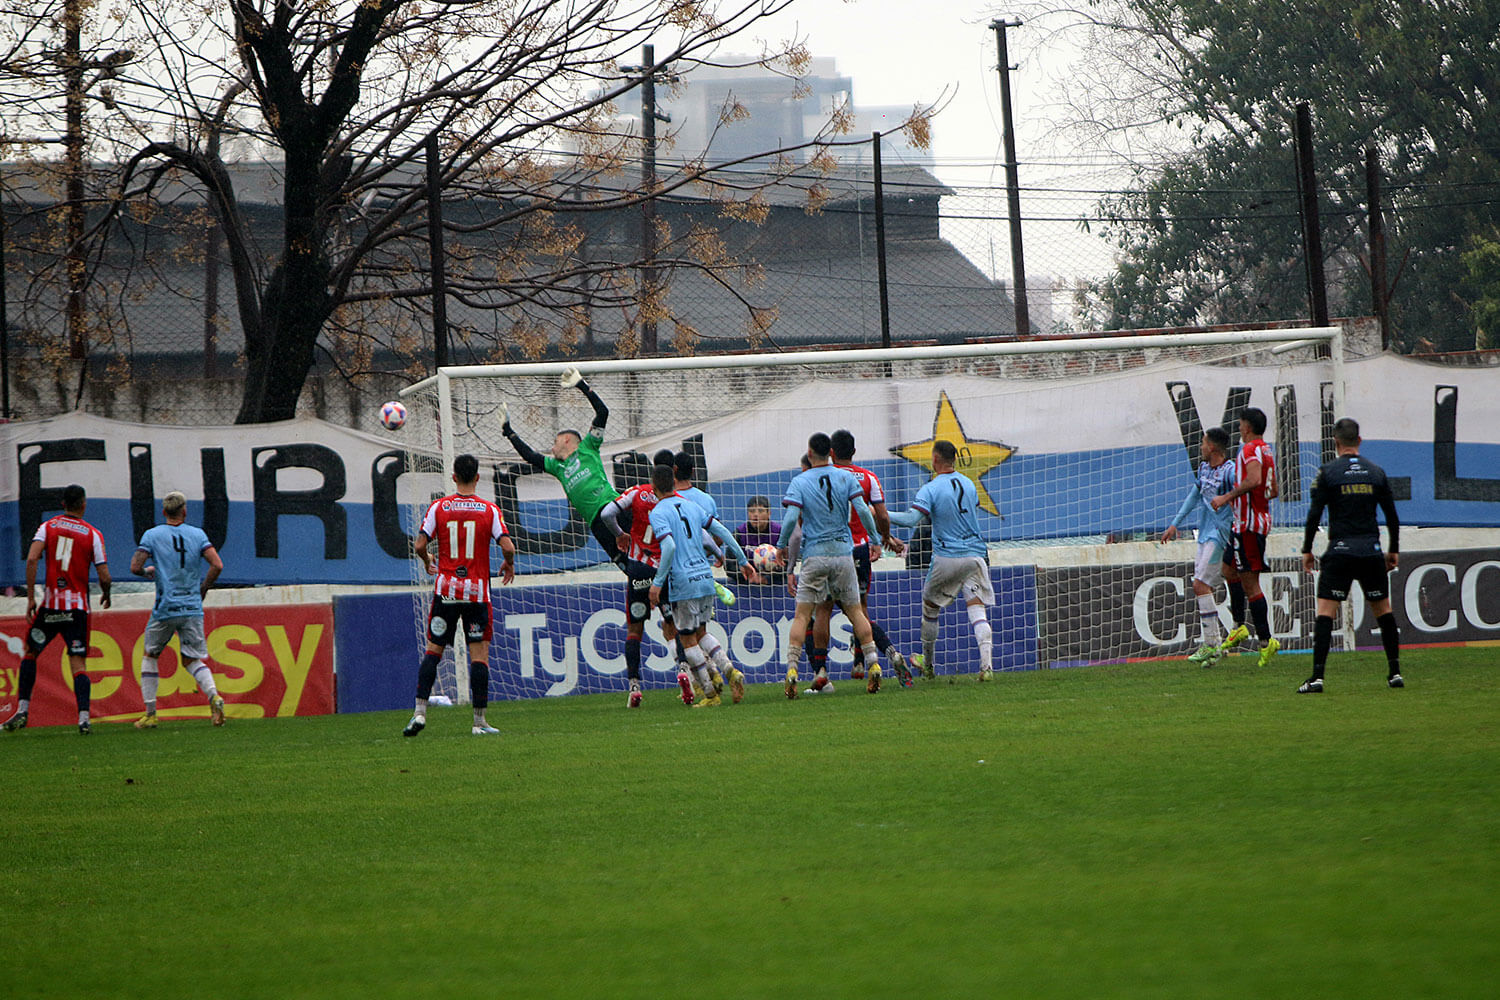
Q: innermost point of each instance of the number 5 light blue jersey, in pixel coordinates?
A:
(822, 494)
(689, 573)
(176, 550)
(949, 501)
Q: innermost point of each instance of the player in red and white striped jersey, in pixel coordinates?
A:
(462, 526)
(643, 556)
(1255, 468)
(70, 545)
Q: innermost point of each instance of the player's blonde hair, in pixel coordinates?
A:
(173, 504)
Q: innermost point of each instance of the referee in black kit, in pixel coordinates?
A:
(1351, 488)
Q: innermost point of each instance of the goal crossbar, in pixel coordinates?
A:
(1300, 336)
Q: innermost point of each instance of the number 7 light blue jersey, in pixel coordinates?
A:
(823, 494)
(176, 550)
(949, 501)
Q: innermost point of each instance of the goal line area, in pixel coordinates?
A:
(1080, 450)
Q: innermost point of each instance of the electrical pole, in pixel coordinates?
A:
(649, 117)
(885, 301)
(1378, 294)
(1012, 182)
(1312, 230)
(436, 252)
(78, 347)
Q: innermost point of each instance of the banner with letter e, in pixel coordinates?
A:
(267, 661)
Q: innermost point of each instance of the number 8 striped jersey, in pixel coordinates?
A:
(949, 501)
(462, 526)
(70, 545)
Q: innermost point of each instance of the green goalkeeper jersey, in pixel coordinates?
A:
(583, 478)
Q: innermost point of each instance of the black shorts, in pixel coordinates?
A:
(862, 568)
(1337, 572)
(49, 623)
(608, 542)
(443, 619)
(1249, 552)
(638, 577)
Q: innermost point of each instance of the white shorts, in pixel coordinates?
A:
(1209, 568)
(952, 575)
(693, 613)
(828, 578)
(189, 632)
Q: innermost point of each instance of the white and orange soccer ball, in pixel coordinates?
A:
(392, 415)
(764, 557)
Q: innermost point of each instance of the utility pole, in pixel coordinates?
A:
(1312, 230)
(885, 301)
(1378, 294)
(4, 318)
(649, 117)
(436, 252)
(78, 346)
(1012, 182)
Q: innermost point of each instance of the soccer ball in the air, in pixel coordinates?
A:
(392, 415)
(764, 557)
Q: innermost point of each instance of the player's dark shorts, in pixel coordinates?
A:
(862, 568)
(445, 615)
(1338, 571)
(1250, 552)
(638, 577)
(608, 542)
(49, 623)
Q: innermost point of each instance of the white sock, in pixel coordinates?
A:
(706, 681)
(150, 682)
(710, 645)
(204, 677)
(1208, 618)
(929, 640)
(983, 635)
(479, 717)
(421, 710)
(872, 658)
(23, 706)
(793, 654)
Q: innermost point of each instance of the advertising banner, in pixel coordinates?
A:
(1099, 614)
(1087, 456)
(267, 661)
(558, 640)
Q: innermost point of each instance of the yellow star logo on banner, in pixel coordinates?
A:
(975, 457)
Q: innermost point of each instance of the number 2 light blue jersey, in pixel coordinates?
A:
(176, 550)
(690, 574)
(949, 501)
(823, 494)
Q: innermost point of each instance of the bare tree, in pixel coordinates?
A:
(343, 96)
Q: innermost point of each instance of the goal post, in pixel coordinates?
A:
(1082, 449)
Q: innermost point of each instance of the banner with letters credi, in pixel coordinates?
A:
(556, 640)
(1147, 611)
(267, 661)
(1090, 455)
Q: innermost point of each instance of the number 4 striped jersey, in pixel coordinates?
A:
(70, 546)
(461, 528)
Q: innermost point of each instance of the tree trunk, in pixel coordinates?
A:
(279, 354)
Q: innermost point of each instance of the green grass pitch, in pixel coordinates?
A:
(1150, 830)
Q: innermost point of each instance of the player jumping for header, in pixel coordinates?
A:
(575, 462)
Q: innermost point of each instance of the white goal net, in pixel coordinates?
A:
(1081, 451)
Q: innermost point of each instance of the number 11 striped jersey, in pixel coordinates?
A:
(461, 527)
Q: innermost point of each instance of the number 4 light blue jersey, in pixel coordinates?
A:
(176, 550)
(949, 501)
(823, 494)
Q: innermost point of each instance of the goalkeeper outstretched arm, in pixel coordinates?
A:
(530, 454)
(601, 412)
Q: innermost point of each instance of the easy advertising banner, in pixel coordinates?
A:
(560, 640)
(267, 661)
(1101, 614)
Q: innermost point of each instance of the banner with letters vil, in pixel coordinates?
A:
(1088, 457)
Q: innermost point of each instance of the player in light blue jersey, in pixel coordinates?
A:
(174, 554)
(678, 525)
(819, 500)
(1215, 479)
(960, 557)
